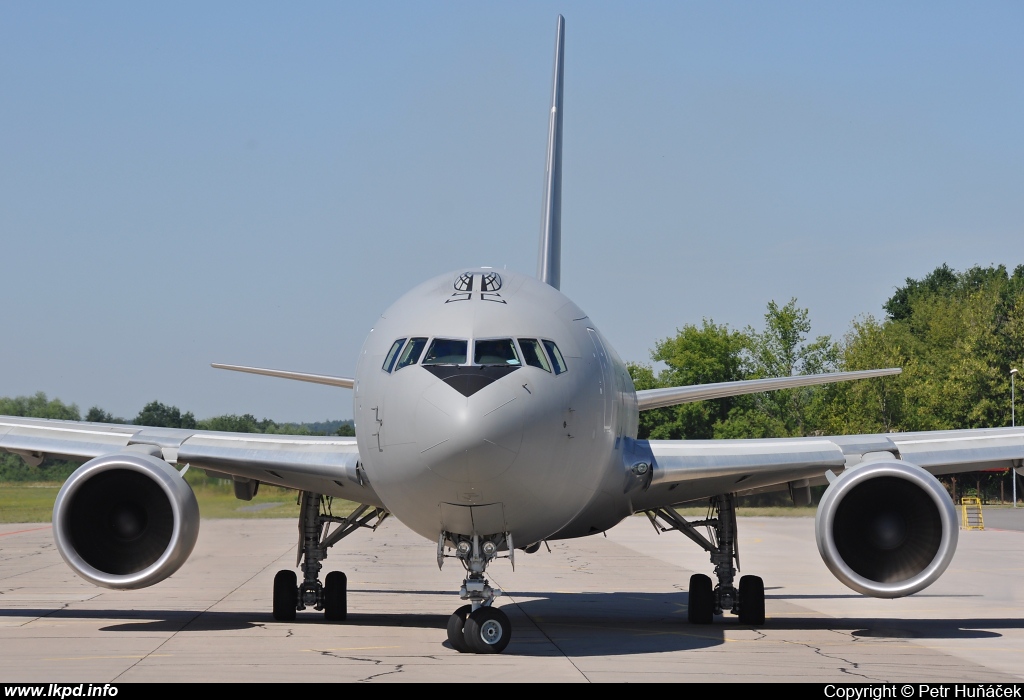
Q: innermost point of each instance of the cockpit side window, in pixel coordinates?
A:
(533, 354)
(556, 357)
(389, 361)
(446, 351)
(500, 351)
(411, 354)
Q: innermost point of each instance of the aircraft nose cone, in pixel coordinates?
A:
(469, 439)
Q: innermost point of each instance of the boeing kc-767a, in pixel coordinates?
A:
(492, 416)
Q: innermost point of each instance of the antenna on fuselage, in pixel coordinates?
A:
(549, 260)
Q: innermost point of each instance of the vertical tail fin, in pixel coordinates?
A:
(549, 260)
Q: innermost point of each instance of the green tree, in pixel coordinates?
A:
(158, 415)
(12, 467)
(38, 406)
(712, 353)
(868, 405)
(956, 335)
(781, 350)
(695, 355)
(98, 415)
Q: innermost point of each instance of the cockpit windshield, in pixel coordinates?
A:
(487, 352)
(556, 356)
(533, 354)
(411, 355)
(501, 351)
(446, 351)
(389, 361)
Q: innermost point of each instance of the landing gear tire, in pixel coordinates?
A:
(456, 625)
(286, 595)
(335, 597)
(701, 606)
(487, 631)
(751, 599)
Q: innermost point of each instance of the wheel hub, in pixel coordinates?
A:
(490, 631)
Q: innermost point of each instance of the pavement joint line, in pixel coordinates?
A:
(196, 617)
(20, 532)
(96, 658)
(550, 640)
(32, 571)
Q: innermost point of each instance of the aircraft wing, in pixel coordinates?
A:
(648, 399)
(684, 470)
(326, 465)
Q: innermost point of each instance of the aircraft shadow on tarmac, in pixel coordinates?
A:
(555, 624)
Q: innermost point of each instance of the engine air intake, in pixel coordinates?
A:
(125, 520)
(886, 529)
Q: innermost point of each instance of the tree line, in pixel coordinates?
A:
(956, 335)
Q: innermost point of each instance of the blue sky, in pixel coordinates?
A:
(183, 183)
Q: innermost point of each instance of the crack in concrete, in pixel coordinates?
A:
(854, 666)
(398, 669)
(375, 662)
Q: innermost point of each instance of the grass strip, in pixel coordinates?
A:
(22, 502)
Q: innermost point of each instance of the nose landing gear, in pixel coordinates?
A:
(477, 627)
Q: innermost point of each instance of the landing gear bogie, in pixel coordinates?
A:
(315, 538)
(706, 600)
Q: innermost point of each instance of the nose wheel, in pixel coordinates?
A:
(483, 631)
(477, 628)
(487, 631)
(456, 629)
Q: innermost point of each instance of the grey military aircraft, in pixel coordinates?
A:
(492, 416)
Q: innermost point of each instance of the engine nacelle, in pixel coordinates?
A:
(125, 520)
(886, 529)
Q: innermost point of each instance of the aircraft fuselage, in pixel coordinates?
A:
(519, 429)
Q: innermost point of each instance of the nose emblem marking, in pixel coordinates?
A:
(488, 284)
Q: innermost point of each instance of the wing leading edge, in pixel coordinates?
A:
(684, 470)
(329, 380)
(648, 399)
(326, 465)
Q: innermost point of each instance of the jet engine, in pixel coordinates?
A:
(125, 520)
(886, 529)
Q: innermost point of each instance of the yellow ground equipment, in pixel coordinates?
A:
(971, 509)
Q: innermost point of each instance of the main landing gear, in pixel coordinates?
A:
(477, 627)
(706, 601)
(315, 520)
